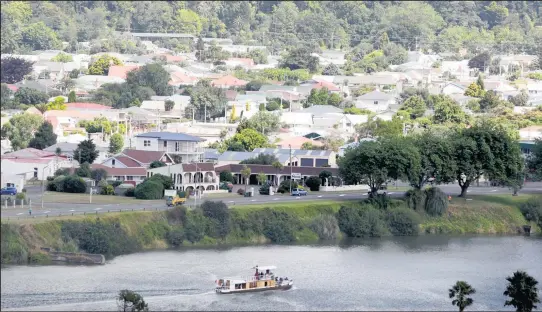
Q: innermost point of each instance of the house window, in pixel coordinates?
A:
(146, 143)
(375, 102)
(165, 143)
(177, 146)
(130, 178)
(35, 172)
(112, 162)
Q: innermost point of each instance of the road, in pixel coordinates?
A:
(56, 209)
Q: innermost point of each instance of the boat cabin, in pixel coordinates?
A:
(263, 277)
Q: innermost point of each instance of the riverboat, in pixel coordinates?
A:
(264, 279)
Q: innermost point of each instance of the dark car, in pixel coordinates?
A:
(9, 191)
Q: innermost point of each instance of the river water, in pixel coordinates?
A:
(408, 273)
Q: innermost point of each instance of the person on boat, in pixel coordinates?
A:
(256, 274)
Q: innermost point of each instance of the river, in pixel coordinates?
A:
(408, 273)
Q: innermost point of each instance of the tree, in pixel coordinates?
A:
(44, 137)
(331, 70)
(233, 114)
(65, 84)
(263, 122)
(278, 167)
(14, 69)
(30, 96)
(262, 178)
(522, 291)
(318, 96)
(436, 159)
(334, 99)
(129, 301)
(100, 66)
(534, 162)
(57, 104)
(261, 159)
(459, 293)
(116, 143)
(74, 74)
(490, 100)
(206, 101)
(21, 129)
(153, 76)
(480, 61)
(188, 22)
(521, 99)
(474, 90)
(98, 174)
(415, 106)
(85, 152)
(253, 85)
(309, 146)
(37, 36)
(84, 170)
(300, 58)
(245, 172)
(5, 98)
(157, 164)
(332, 142)
(72, 98)
(62, 58)
(487, 149)
(480, 82)
(168, 105)
(249, 139)
(448, 111)
(395, 53)
(226, 176)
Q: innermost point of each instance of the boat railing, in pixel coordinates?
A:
(267, 277)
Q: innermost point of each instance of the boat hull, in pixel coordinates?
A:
(242, 291)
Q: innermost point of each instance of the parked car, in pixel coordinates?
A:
(299, 192)
(9, 191)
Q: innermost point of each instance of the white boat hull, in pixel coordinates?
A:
(284, 286)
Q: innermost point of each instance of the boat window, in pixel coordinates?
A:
(237, 286)
(244, 286)
(265, 284)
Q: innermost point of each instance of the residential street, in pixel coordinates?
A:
(54, 209)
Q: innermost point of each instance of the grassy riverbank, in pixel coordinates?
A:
(122, 233)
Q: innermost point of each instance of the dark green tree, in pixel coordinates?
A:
(480, 61)
(459, 293)
(44, 137)
(226, 176)
(129, 301)
(300, 58)
(84, 170)
(85, 152)
(415, 106)
(157, 164)
(206, 101)
(14, 69)
(331, 70)
(534, 162)
(522, 291)
(5, 98)
(153, 76)
(72, 98)
(168, 105)
(30, 96)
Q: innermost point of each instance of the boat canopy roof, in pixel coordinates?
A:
(265, 267)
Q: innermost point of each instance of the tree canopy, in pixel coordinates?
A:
(44, 137)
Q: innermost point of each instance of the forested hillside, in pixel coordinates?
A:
(440, 26)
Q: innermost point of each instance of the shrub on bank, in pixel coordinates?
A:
(219, 215)
(313, 183)
(365, 221)
(381, 201)
(436, 202)
(403, 222)
(326, 226)
(415, 199)
(107, 190)
(130, 192)
(175, 237)
(68, 184)
(532, 210)
(195, 226)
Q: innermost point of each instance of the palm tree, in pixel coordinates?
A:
(459, 293)
(245, 172)
(522, 292)
(41, 107)
(278, 166)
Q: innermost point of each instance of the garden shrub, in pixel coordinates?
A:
(326, 226)
(20, 196)
(532, 210)
(436, 202)
(49, 178)
(107, 190)
(83, 171)
(62, 172)
(241, 191)
(403, 222)
(114, 183)
(226, 176)
(284, 186)
(57, 185)
(166, 181)
(130, 192)
(277, 226)
(149, 190)
(382, 201)
(365, 221)
(416, 199)
(74, 184)
(313, 183)
(175, 237)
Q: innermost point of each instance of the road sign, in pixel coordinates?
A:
(296, 176)
(171, 193)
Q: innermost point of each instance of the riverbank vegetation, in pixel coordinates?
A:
(214, 223)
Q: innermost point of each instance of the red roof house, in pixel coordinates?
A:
(121, 71)
(82, 106)
(229, 81)
(324, 84)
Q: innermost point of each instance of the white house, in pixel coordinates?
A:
(188, 177)
(375, 101)
(530, 133)
(187, 146)
(33, 163)
(453, 88)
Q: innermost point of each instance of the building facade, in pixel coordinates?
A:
(187, 147)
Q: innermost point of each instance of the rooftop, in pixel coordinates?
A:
(170, 136)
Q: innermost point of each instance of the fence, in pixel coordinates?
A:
(12, 202)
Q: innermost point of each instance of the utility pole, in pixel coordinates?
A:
(291, 178)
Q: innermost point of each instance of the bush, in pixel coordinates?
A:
(363, 221)
(175, 237)
(416, 199)
(50, 178)
(130, 192)
(313, 183)
(403, 222)
(532, 210)
(436, 201)
(226, 176)
(103, 183)
(149, 190)
(23, 190)
(74, 184)
(98, 174)
(382, 201)
(241, 191)
(114, 183)
(62, 172)
(194, 228)
(284, 186)
(58, 183)
(20, 196)
(177, 215)
(83, 170)
(182, 194)
(218, 212)
(326, 226)
(166, 181)
(107, 190)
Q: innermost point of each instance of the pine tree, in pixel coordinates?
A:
(44, 137)
(480, 82)
(384, 40)
(233, 115)
(85, 152)
(71, 97)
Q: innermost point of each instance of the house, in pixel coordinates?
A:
(186, 146)
(131, 175)
(296, 142)
(233, 157)
(33, 163)
(307, 158)
(86, 106)
(375, 101)
(93, 82)
(453, 88)
(324, 84)
(246, 63)
(181, 79)
(461, 99)
(344, 148)
(211, 155)
(228, 82)
(273, 174)
(530, 133)
(181, 101)
(130, 158)
(332, 57)
(67, 149)
(240, 48)
(322, 109)
(121, 71)
(43, 85)
(189, 177)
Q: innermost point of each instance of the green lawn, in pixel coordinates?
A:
(70, 198)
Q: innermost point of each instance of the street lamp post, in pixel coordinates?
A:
(291, 178)
(196, 185)
(43, 184)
